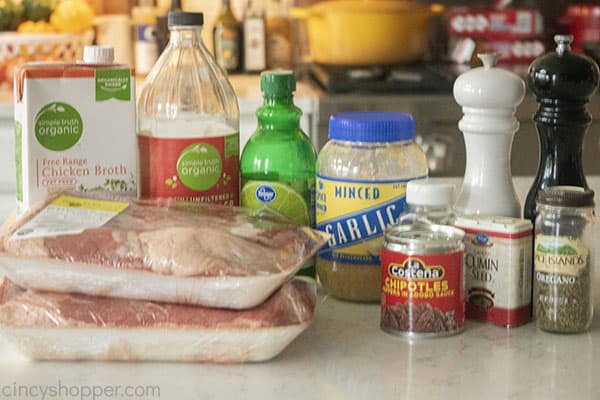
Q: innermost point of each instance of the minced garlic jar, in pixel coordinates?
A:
(361, 184)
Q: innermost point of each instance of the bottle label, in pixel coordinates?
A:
(560, 255)
(294, 201)
(70, 215)
(422, 293)
(196, 169)
(227, 48)
(356, 214)
(279, 51)
(254, 45)
(562, 283)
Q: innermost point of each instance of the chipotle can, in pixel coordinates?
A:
(423, 286)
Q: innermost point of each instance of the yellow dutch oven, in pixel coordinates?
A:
(367, 32)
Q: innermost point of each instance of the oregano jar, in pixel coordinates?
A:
(563, 255)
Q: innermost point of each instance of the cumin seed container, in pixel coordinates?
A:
(362, 174)
(423, 284)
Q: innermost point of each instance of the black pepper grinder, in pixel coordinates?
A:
(563, 82)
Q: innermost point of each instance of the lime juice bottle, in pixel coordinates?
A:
(278, 162)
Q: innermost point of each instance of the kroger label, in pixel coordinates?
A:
(265, 194)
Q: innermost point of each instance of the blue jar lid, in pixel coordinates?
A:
(372, 127)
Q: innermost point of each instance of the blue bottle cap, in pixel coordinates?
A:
(372, 127)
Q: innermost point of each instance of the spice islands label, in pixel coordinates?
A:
(422, 293)
(562, 283)
(199, 169)
(356, 214)
(560, 255)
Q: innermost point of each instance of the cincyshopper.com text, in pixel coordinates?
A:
(64, 391)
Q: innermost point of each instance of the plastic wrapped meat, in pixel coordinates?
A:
(60, 326)
(164, 251)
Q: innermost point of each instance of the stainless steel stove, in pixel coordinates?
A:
(419, 78)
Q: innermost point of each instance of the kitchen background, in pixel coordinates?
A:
(421, 87)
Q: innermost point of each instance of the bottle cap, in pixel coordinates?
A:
(566, 196)
(488, 86)
(98, 55)
(563, 75)
(372, 127)
(278, 82)
(182, 18)
(426, 192)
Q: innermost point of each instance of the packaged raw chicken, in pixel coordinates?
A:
(66, 326)
(158, 250)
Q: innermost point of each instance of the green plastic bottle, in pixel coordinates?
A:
(278, 162)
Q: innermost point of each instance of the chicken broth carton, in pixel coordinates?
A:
(74, 127)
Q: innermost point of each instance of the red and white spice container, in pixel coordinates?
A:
(498, 269)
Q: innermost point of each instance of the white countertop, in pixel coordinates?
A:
(344, 355)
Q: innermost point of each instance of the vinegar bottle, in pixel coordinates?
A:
(188, 122)
(563, 82)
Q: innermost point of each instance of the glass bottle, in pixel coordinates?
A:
(563, 259)
(162, 27)
(227, 39)
(279, 35)
(188, 122)
(428, 202)
(145, 46)
(255, 39)
(278, 162)
(563, 83)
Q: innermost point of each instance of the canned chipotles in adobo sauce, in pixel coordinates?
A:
(422, 279)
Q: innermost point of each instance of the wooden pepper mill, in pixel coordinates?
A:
(563, 83)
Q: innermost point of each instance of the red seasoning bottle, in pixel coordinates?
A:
(188, 122)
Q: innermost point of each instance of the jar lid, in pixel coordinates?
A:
(98, 54)
(372, 127)
(563, 75)
(281, 82)
(182, 18)
(566, 196)
(426, 192)
(488, 86)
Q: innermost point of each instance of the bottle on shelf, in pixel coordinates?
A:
(227, 39)
(279, 35)
(278, 162)
(255, 40)
(162, 29)
(563, 83)
(145, 48)
(188, 122)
